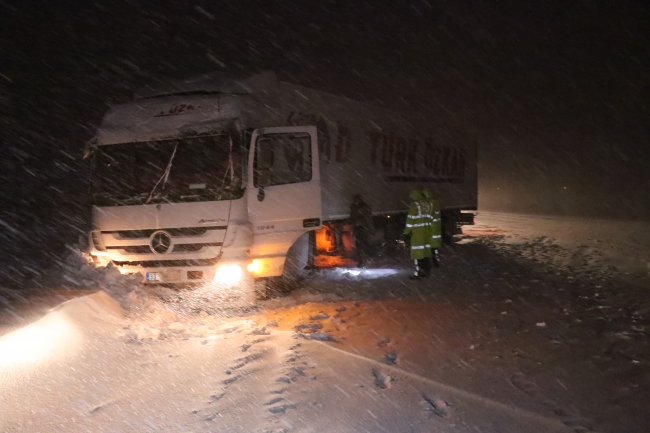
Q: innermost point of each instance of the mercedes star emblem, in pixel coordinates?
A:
(160, 242)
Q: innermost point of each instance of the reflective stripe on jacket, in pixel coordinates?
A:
(435, 221)
(418, 226)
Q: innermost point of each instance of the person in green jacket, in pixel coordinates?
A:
(418, 228)
(433, 209)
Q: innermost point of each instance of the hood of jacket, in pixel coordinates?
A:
(416, 195)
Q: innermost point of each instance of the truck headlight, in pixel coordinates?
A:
(255, 266)
(228, 274)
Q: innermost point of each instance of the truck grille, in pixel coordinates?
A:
(166, 263)
(179, 248)
(190, 246)
(145, 234)
(194, 247)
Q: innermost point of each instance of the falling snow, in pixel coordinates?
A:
(537, 319)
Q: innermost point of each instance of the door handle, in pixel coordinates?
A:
(311, 222)
(260, 194)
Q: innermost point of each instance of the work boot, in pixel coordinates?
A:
(421, 275)
(435, 258)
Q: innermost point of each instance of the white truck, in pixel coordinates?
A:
(217, 180)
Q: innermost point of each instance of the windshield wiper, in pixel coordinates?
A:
(164, 177)
(229, 171)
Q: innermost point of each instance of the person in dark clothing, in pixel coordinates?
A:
(361, 223)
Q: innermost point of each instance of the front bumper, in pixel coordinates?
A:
(164, 275)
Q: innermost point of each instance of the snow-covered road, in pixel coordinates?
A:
(530, 325)
(232, 375)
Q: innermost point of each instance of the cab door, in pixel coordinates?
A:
(283, 190)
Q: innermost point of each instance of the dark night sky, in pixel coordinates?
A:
(557, 92)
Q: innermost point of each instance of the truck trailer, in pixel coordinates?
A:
(214, 180)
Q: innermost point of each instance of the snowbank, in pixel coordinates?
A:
(59, 334)
(77, 270)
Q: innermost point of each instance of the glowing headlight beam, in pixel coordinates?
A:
(255, 266)
(228, 274)
(36, 342)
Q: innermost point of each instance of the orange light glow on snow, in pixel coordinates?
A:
(322, 261)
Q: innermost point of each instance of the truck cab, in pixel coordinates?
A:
(197, 201)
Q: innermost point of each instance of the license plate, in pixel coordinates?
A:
(153, 276)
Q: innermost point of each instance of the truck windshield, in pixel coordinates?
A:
(203, 168)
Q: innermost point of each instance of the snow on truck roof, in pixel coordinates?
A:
(217, 103)
(137, 121)
(210, 84)
(265, 82)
